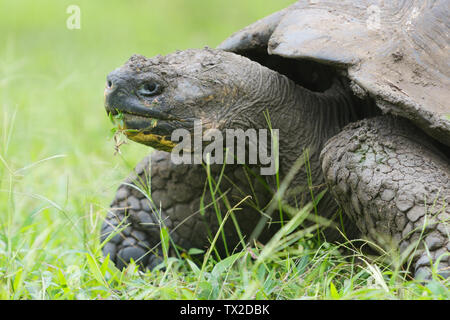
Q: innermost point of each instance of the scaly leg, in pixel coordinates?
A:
(393, 181)
(176, 193)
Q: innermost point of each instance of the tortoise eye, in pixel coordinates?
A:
(149, 89)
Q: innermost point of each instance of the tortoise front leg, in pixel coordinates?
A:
(392, 180)
(173, 202)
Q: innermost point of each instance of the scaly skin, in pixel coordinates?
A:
(393, 182)
(176, 191)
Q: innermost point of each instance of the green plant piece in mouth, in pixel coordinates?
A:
(117, 118)
(121, 134)
(118, 130)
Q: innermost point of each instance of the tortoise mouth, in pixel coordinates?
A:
(147, 125)
(151, 127)
(153, 132)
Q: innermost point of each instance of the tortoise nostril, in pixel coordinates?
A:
(113, 79)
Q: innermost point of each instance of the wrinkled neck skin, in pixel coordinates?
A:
(305, 119)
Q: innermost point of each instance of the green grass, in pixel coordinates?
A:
(59, 171)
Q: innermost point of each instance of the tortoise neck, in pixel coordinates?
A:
(307, 119)
(304, 119)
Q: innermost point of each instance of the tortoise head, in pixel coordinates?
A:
(156, 96)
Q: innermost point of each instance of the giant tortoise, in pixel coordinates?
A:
(357, 89)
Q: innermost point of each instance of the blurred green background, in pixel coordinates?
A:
(57, 163)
